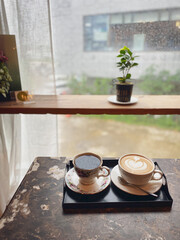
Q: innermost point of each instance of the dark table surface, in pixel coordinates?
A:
(35, 211)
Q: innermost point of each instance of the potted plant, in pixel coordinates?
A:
(5, 77)
(124, 86)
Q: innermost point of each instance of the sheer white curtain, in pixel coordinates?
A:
(24, 137)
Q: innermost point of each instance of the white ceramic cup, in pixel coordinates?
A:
(138, 169)
(88, 175)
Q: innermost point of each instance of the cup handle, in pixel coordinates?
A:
(104, 174)
(157, 178)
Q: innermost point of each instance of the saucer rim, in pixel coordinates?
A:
(112, 99)
(127, 189)
(87, 193)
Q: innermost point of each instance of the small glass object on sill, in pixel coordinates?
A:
(22, 97)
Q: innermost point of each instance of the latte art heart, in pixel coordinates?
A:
(135, 165)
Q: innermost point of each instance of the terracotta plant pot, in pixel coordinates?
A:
(124, 91)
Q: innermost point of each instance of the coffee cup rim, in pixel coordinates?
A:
(137, 154)
(87, 153)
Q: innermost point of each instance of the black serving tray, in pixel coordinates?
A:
(114, 198)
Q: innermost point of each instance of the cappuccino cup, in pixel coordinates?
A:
(138, 169)
(88, 167)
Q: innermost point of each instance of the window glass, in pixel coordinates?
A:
(106, 32)
(145, 17)
(138, 42)
(100, 28)
(116, 19)
(88, 32)
(164, 15)
(175, 14)
(127, 18)
(96, 32)
(87, 36)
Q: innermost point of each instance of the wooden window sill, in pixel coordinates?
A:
(94, 104)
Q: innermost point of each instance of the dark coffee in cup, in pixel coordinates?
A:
(87, 162)
(88, 167)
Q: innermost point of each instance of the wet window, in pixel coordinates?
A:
(142, 31)
(87, 36)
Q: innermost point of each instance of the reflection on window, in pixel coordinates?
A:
(96, 32)
(175, 14)
(145, 17)
(138, 42)
(116, 19)
(156, 30)
(127, 18)
(164, 16)
(103, 31)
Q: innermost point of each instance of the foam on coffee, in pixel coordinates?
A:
(136, 164)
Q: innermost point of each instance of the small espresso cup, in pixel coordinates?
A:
(88, 167)
(138, 169)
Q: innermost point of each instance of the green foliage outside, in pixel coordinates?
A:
(152, 82)
(160, 121)
(93, 86)
(160, 83)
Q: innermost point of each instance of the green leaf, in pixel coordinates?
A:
(126, 61)
(120, 55)
(128, 64)
(123, 60)
(128, 76)
(122, 52)
(130, 53)
(122, 67)
(119, 64)
(1, 71)
(127, 56)
(120, 78)
(2, 90)
(5, 80)
(134, 64)
(126, 48)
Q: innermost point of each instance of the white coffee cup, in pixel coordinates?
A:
(138, 169)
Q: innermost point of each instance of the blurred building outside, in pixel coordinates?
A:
(86, 37)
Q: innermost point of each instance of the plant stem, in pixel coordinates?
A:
(123, 74)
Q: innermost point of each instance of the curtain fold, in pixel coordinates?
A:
(4, 168)
(24, 137)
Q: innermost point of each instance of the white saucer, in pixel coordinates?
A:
(152, 186)
(112, 99)
(72, 181)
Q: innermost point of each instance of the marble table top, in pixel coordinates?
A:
(35, 212)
